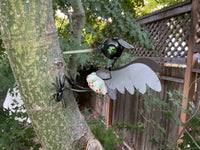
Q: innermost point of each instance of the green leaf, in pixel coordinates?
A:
(154, 142)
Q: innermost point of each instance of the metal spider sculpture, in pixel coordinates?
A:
(60, 88)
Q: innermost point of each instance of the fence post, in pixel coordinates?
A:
(110, 112)
(192, 60)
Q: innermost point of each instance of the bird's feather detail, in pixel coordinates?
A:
(136, 76)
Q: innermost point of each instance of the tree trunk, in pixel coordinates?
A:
(31, 41)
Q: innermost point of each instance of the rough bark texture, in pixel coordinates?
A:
(31, 41)
(78, 19)
(77, 24)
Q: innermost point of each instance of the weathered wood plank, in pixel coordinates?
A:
(163, 60)
(196, 70)
(109, 112)
(173, 79)
(174, 10)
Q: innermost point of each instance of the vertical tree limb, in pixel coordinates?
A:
(78, 23)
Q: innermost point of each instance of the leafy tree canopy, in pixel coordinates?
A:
(105, 19)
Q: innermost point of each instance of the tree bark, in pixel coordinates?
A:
(78, 19)
(78, 23)
(31, 42)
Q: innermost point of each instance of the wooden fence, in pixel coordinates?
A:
(128, 107)
(175, 34)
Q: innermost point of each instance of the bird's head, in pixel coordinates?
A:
(111, 48)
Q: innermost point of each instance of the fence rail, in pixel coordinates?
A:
(168, 12)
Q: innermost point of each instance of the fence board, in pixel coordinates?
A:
(127, 108)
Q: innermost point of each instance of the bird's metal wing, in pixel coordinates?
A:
(125, 44)
(134, 76)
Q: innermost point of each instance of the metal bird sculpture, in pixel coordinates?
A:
(138, 74)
